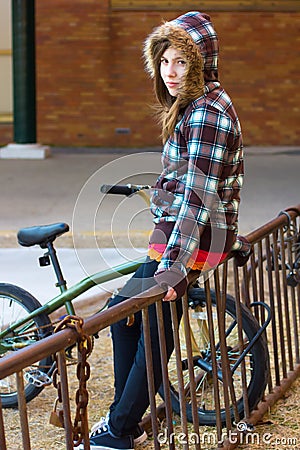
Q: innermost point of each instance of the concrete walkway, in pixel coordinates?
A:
(65, 187)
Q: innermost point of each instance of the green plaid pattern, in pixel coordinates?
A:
(202, 175)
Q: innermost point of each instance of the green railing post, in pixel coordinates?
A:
(24, 85)
(24, 96)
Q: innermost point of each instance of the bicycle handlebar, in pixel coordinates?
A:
(125, 189)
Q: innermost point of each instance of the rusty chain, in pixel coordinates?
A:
(84, 349)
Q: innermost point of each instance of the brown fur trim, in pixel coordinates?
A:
(193, 86)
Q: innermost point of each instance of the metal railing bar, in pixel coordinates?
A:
(189, 352)
(240, 335)
(272, 225)
(227, 367)
(295, 313)
(164, 369)
(23, 411)
(298, 302)
(149, 368)
(274, 319)
(261, 281)
(295, 318)
(2, 430)
(285, 300)
(180, 380)
(224, 355)
(263, 286)
(254, 283)
(245, 292)
(62, 370)
(279, 303)
(213, 360)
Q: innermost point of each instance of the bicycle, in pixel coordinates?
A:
(29, 322)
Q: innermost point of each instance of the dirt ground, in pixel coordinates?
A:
(279, 430)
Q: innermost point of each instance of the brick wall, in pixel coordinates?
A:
(6, 133)
(92, 89)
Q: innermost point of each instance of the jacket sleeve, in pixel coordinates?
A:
(206, 134)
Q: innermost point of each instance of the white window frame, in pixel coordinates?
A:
(6, 85)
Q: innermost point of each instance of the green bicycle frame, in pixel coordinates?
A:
(67, 295)
(65, 298)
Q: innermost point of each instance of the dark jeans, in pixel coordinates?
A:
(131, 389)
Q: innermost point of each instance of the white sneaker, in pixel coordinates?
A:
(103, 421)
(104, 439)
(139, 435)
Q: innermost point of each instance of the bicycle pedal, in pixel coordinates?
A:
(37, 378)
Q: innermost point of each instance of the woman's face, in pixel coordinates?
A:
(172, 69)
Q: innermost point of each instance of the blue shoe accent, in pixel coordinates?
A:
(139, 434)
(104, 439)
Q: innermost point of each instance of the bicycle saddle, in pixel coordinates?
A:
(41, 235)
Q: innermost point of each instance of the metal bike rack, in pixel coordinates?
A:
(263, 281)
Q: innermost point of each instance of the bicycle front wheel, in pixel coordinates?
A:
(15, 305)
(256, 363)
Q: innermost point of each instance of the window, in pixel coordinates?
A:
(5, 62)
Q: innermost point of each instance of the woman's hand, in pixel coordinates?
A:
(173, 281)
(170, 295)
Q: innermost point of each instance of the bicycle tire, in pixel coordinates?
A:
(16, 303)
(257, 374)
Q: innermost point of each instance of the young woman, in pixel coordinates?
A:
(194, 204)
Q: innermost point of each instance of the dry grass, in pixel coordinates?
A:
(281, 423)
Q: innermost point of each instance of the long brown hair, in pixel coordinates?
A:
(169, 108)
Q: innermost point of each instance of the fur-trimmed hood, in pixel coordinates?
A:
(200, 28)
(192, 34)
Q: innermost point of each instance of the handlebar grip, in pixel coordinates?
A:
(118, 189)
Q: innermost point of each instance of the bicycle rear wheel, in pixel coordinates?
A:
(256, 363)
(16, 304)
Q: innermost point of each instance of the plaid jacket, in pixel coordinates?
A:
(201, 178)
